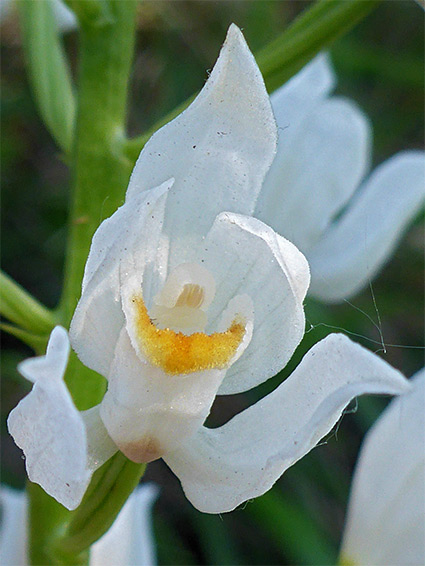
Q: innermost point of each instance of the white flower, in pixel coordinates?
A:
(321, 170)
(128, 541)
(182, 301)
(386, 514)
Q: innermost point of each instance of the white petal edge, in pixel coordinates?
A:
(47, 426)
(130, 540)
(356, 246)
(218, 150)
(223, 467)
(13, 529)
(129, 240)
(247, 257)
(385, 518)
(311, 180)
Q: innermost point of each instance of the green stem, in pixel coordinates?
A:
(22, 309)
(100, 173)
(46, 519)
(109, 489)
(315, 29)
(100, 169)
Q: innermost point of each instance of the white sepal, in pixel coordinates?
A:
(223, 467)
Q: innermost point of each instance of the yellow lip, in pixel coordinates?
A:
(178, 353)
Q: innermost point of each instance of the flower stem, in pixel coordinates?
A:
(99, 169)
(109, 489)
(23, 309)
(100, 173)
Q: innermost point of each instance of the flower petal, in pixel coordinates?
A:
(218, 150)
(49, 428)
(355, 247)
(130, 540)
(220, 468)
(294, 100)
(246, 256)
(13, 531)
(130, 239)
(310, 181)
(385, 520)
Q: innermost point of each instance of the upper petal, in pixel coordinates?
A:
(246, 256)
(220, 468)
(49, 428)
(312, 179)
(218, 150)
(130, 540)
(385, 520)
(354, 248)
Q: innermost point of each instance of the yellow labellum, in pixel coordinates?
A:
(177, 353)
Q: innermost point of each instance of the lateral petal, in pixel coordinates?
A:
(223, 467)
(246, 256)
(356, 246)
(49, 428)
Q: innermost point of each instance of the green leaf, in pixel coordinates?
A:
(35, 341)
(295, 533)
(315, 29)
(91, 12)
(48, 70)
(22, 309)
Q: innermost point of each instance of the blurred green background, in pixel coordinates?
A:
(380, 65)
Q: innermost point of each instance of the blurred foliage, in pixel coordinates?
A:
(380, 65)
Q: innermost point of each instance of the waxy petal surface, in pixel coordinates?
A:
(49, 428)
(223, 467)
(312, 179)
(385, 519)
(357, 245)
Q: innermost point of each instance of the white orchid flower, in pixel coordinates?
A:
(319, 193)
(186, 296)
(128, 541)
(386, 513)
